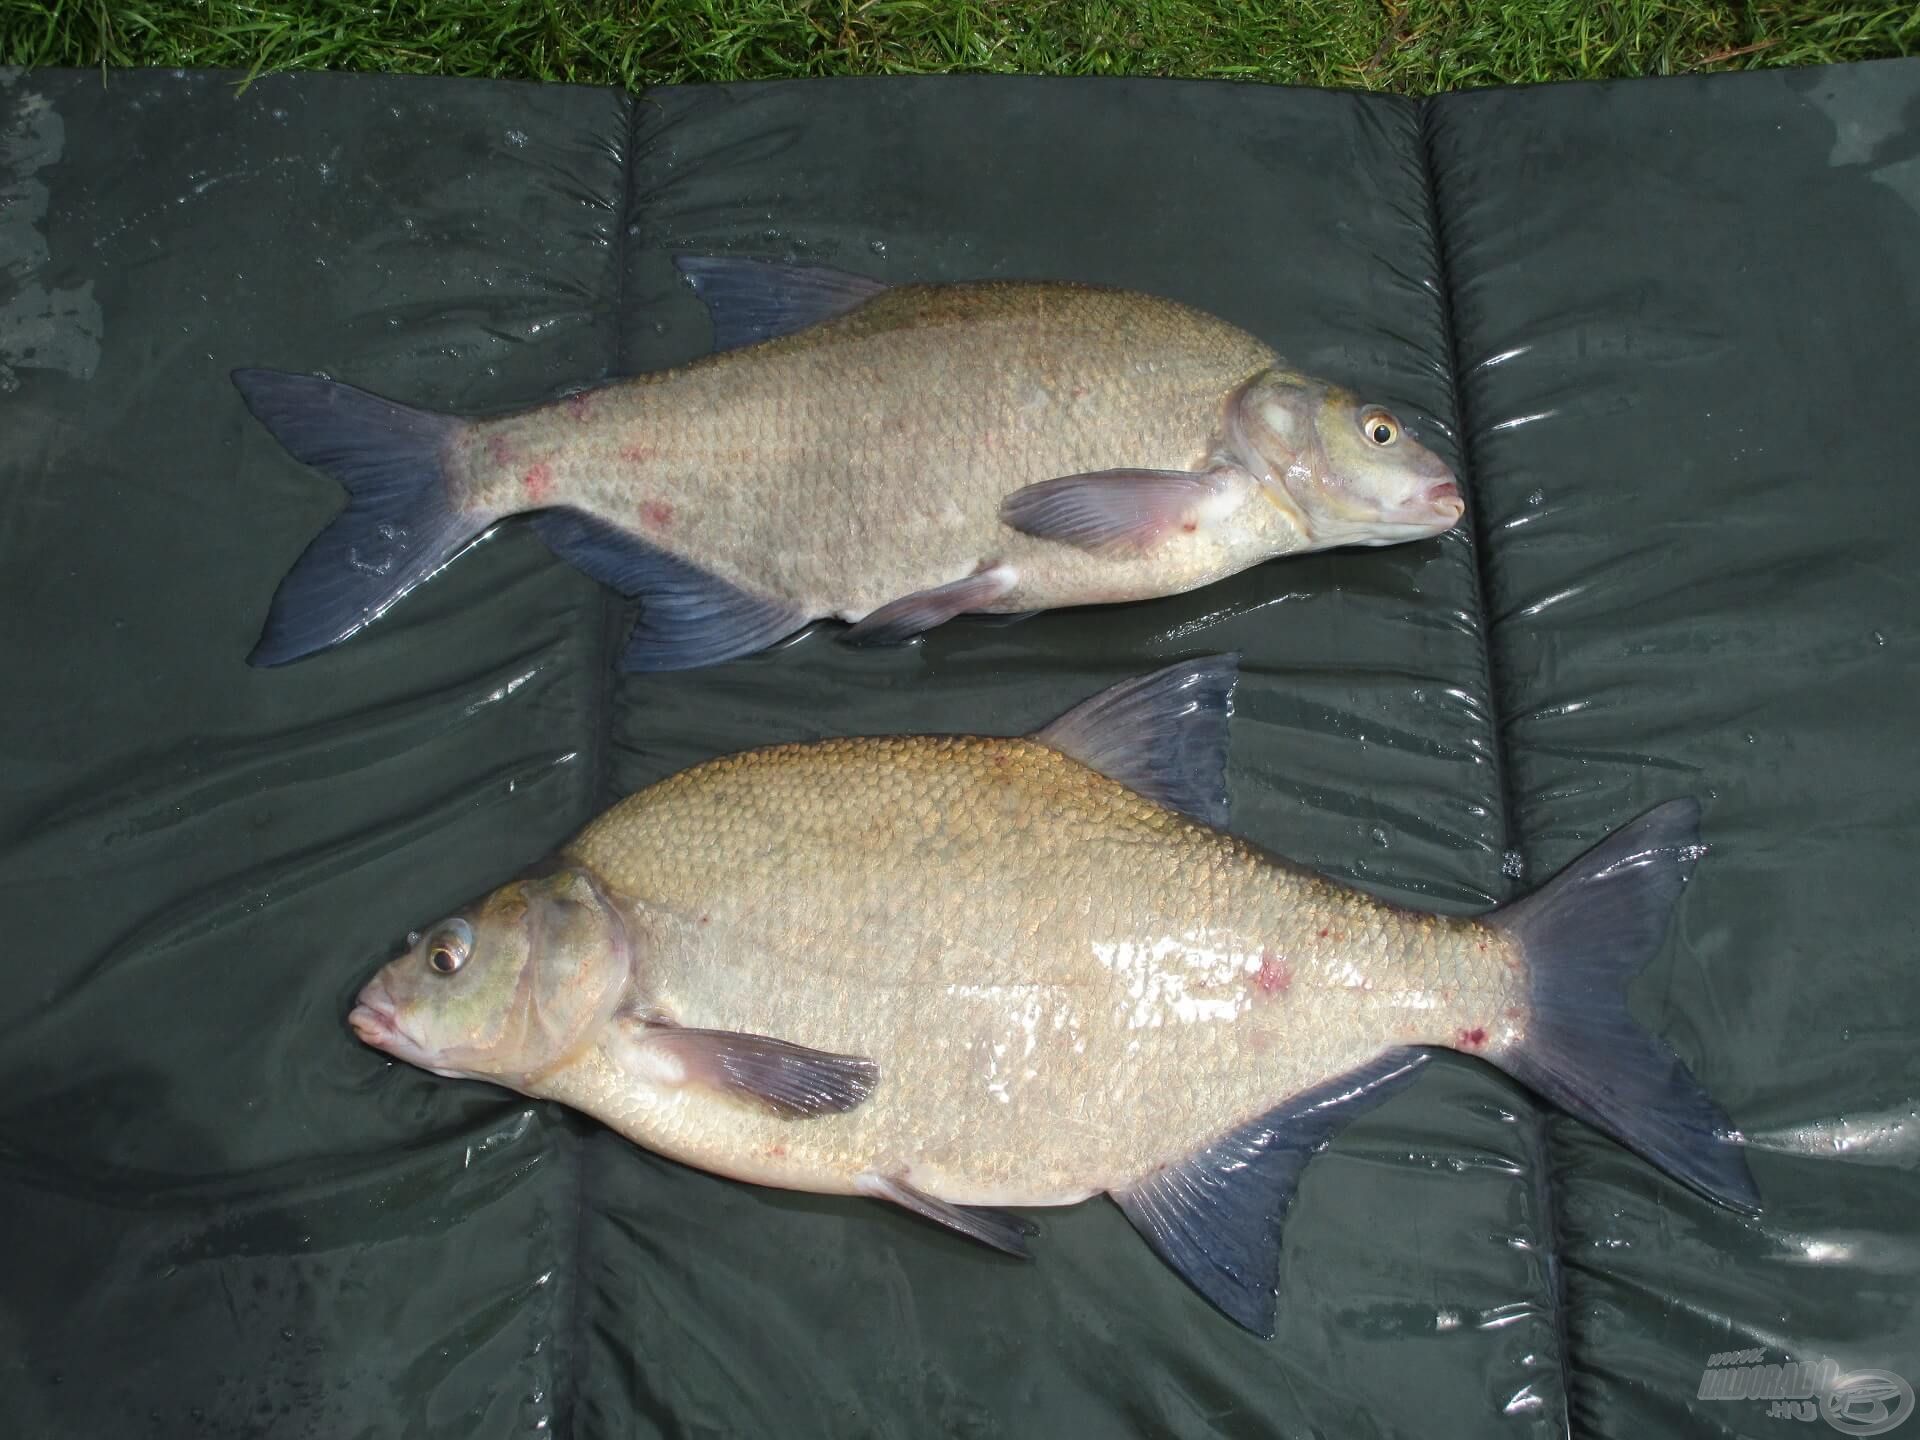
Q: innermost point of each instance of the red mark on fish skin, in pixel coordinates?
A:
(579, 407)
(1079, 392)
(656, 514)
(776, 1152)
(705, 918)
(1323, 932)
(537, 484)
(499, 450)
(1191, 526)
(637, 454)
(1513, 1012)
(1473, 1039)
(1275, 976)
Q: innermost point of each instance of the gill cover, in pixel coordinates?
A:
(546, 964)
(1342, 471)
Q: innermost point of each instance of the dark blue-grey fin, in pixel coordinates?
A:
(1111, 509)
(1586, 933)
(753, 300)
(399, 525)
(1215, 1218)
(688, 618)
(1162, 735)
(909, 615)
(1002, 1229)
(790, 1080)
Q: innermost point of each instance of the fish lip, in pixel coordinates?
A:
(1440, 505)
(373, 1027)
(374, 1019)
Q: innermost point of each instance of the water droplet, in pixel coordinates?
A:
(1379, 836)
(1878, 638)
(1749, 737)
(1513, 864)
(516, 138)
(1537, 497)
(879, 247)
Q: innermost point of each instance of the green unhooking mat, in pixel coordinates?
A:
(1664, 330)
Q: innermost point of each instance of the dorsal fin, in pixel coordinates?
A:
(753, 300)
(1163, 735)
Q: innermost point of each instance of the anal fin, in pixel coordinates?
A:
(1215, 1217)
(1002, 1229)
(688, 618)
(909, 615)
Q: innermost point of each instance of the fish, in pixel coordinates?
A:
(886, 456)
(971, 976)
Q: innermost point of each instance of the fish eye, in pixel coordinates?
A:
(451, 945)
(1379, 427)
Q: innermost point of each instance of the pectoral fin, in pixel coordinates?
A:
(906, 617)
(1002, 1229)
(1215, 1217)
(1112, 509)
(790, 1080)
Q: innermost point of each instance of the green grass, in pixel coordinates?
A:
(1410, 46)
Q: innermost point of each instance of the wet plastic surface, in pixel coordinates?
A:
(1666, 330)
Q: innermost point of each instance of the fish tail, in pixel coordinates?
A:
(400, 524)
(1585, 934)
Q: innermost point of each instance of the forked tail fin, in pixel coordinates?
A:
(1586, 933)
(400, 524)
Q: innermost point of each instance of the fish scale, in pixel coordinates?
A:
(896, 432)
(1116, 963)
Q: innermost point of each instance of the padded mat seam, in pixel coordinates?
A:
(1536, 1133)
(611, 612)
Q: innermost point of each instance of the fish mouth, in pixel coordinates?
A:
(1443, 503)
(375, 1021)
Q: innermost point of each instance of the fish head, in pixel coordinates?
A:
(506, 988)
(1343, 469)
